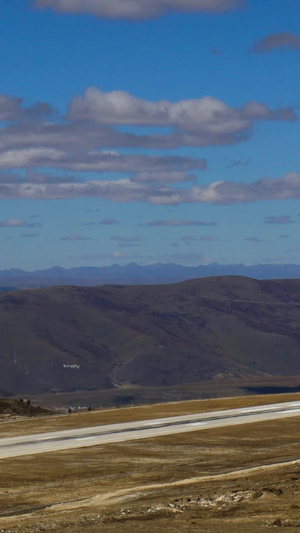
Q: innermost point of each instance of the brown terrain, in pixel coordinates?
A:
(237, 479)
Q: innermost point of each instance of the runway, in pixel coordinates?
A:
(143, 429)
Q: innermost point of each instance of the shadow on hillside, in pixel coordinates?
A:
(271, 390)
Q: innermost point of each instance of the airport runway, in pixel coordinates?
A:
(93, 436)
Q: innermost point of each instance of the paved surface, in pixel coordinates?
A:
(92, 436)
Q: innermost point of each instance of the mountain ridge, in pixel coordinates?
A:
(134, 274)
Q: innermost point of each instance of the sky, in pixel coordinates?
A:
(149, 131)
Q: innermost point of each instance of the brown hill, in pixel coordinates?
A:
(20, 407)
(72, 338)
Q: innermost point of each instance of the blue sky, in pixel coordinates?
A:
(149, 131)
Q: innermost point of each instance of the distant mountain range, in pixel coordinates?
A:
(65, 339)
(133, 274)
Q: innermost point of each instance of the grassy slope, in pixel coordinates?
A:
(148, 335)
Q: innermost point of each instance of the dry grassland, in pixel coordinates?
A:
(238, 479)
(11, 427)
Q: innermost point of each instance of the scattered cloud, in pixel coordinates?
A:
(11, 109)
(137, 9)
(186, 258)
(94, 161)
(189, 238)
(126, 190)
(122, 256)
(165, 177)
(216, 51)
(283, 41)
(176, 223)
(206, 238)
(108, 221)
(123, 190)
(42, 177)
(86, 140)
(253, 239)
(80, 144)
(12, 223)
(192, 238)
(74, 237)
(226, 193)
(238, 163)
(115, 256)
(18, 223)
(128, 244)
(283, 219)
(283, 236)
(122, 239)
(104, 222)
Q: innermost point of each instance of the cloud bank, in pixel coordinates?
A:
(195, 122)
(89, 137)
(137, 9)
(85, 140)
(127, 190)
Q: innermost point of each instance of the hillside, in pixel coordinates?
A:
(71, 338)
(17, 408)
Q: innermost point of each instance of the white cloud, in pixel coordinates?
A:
(137, 9)
(9, 107)
(222, 192)
(284, 41)
(96, 161)
(87, 140)
(29, 157)
(195, 122)
(83, 143)
(126, 190)
(12, 223)
(164, 177)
